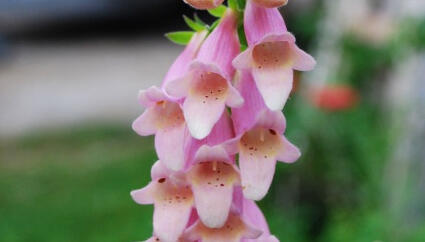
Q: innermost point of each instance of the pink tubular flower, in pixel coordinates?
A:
(213, 177)
(234, 229)
(270, 3)
(172, 199)
(272, 55)
(163, 115)
(253, 215)
(258, 141)
(204, 4)
(206, 87)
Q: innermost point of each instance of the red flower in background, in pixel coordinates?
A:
(334, 98)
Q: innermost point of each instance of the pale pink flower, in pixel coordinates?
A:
(206, 87)
(259, 141)
(172, 199)
(204, 4)
(163, 115)
(213, 178)
(253, 215)
(233, 230)
(272, 54)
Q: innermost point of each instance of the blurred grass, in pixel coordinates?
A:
(74, 186)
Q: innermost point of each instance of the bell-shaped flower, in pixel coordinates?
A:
(258, 141)
(204, 4)
(172, 199)
(163, 115)
(164, 118)
(253, 215)
(213, 177)
(270, 3)
(222, 131)
(206, 87)
(272, 54)
(233, 230)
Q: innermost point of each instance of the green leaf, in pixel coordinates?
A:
(192, 24)
(218, 11)
(180, 37)
(198, 20)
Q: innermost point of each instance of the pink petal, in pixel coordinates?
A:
(289, 152)
(271, 3)
(169, 144)
(233, 231)
(257, 161)
(145, 124)
(272, 120)
(178, 88)
(173, 206)
(144, 195)
(221, 132)
(253, 215)
(275, 85)
(256, 174)
(212, 186)
(213, 205)
(303, 61)
(181, 64)
(260, 21)
(222, 45)
(204, 4)
(205, 103)
(246, 116)
(150, 96)
(159, 170)
(201, 116)
(244, 60)
(234, 100)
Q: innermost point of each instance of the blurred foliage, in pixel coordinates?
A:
(74, 185)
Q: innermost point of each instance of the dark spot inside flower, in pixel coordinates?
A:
(265, 156)
(222, 184)
(162, 180)
(272, 132)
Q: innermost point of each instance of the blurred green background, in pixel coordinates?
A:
(361, 176)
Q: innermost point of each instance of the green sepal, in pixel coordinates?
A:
(180, 37)
(232, 4)
(241, 5)
(199, 20)
(218, 11)
(242, 38)
(213, 25)
(193, 24)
